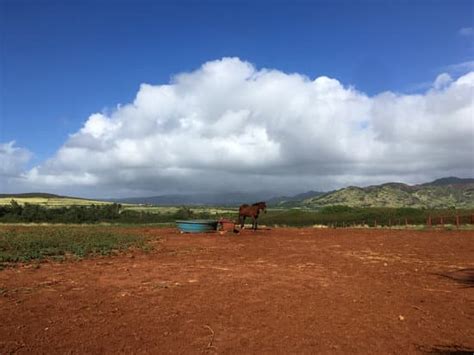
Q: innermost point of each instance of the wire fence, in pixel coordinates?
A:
(431, 222)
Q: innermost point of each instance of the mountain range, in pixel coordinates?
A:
(209, 199)
(441, 193)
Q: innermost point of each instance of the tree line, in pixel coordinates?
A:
(113, 213)
(339, 216)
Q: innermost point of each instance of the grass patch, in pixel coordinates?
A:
(25, 244)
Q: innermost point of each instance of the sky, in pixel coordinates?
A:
(133, 98)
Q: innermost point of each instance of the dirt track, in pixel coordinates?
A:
(270, 291)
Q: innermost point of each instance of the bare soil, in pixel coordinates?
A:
(270, 291)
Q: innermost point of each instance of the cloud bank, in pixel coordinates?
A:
(231, 126)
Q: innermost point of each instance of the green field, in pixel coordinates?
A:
(56, 202)
(52, 201)
(60, 210)
(23, 243)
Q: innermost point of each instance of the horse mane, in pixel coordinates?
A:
(259, 203)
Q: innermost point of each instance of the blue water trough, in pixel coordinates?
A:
(197, 225)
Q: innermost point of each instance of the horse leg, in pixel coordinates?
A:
(242, 223)
(254, 225)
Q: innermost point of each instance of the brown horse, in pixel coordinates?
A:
(251, 211)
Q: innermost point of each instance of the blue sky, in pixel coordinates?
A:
(61, 61)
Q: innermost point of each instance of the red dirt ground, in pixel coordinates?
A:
(270, 291)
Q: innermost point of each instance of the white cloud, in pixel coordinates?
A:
(466, 31)
(442, 81)
(230, 126)
(12, 159)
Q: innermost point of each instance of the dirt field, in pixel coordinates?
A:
(270, 291)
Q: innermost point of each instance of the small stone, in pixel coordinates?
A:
(401, 317)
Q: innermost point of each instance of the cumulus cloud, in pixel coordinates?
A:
(442, 81)
(229, 125)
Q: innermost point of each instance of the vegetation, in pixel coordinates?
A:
(442, 193)
(339, 215)
(20, 244)
(399, 195)
(111, 213)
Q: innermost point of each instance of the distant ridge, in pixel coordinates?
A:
(210, 199)
(289, 201)
(47, 199)
(452, 180)
(441, 193)
(32, 195)
(445, 192)
(42, 195)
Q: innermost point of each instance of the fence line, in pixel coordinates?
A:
(431, 221)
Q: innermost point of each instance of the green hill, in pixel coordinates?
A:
(49, 200)
(442, 193)
(446, 192)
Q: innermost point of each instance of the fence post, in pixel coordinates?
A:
(389, 223)
(375, 223)
(428, 222)
(457, 221)
(441, 221)
(406, 222)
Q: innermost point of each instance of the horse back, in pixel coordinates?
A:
(243, 207)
